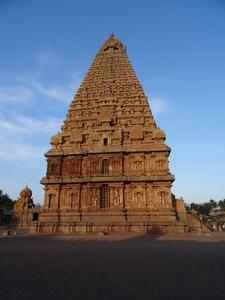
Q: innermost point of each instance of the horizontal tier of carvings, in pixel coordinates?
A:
(121, 178)
(103, 210)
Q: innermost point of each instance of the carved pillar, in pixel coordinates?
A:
(46, 199)
(144, 192)
(155, 188)
(132, 196)
(148, 196)
(125, 196)
(67, 196)
(143, 162)
(58, 190)
(80, 165)
(153, 156)
(122, 164)
(122, 194)
(89, 195)
(60, 159)
(79, 187)
(98, 195)
(48, 159)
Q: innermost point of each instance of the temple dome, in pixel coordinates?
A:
(112, 44)
(26, 192)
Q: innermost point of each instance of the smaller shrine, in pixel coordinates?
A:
(23, 211)
(24, 201)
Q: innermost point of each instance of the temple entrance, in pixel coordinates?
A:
(35, 216)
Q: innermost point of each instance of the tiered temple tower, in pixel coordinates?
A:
(108, 167)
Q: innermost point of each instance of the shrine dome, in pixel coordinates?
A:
(26, 192)
(112, 43)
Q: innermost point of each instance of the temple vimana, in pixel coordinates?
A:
(107, 169)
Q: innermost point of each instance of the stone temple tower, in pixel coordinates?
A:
(108, 167)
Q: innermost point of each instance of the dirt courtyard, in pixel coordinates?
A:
(114, 266)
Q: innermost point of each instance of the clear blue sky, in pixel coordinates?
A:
(177, 49)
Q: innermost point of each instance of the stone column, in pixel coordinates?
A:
(58, 190)
(79, 187)
(121, 194)
(46, 199)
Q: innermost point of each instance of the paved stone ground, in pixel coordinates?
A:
(88, 266)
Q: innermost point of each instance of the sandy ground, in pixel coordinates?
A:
(114, 266)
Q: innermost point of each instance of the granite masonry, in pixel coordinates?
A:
(108, 167)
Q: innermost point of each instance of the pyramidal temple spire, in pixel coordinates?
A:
(110, 103)
(108, 167)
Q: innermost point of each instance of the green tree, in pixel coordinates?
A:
(5, 200)
(213, 203)
(194, 206)
(221, 204)
(204, 208)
